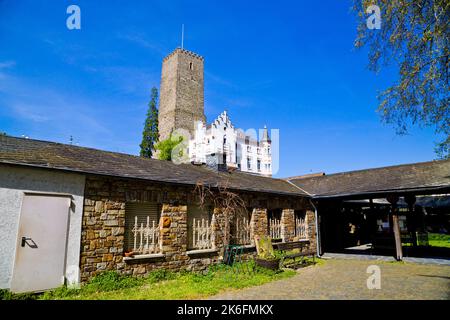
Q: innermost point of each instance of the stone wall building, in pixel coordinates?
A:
(136, 214)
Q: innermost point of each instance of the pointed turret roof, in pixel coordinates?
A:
(265, 135)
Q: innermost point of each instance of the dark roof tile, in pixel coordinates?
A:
(423, 175)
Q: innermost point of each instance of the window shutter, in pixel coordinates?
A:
(141, 211)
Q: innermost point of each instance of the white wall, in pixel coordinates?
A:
(14, 181)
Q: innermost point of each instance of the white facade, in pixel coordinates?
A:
(232, 146)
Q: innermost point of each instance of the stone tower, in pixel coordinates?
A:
(181, 94)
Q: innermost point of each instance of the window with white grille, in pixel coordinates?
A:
(301, 224)
(199, 228)
(241, 228)
(142, 227)
(274, 223)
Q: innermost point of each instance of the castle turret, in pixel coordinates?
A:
(265, 135)
(266, 158)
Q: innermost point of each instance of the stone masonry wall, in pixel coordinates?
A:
(102, 239)
(312, 230)
(287, 225)
(221, 230)
(103, 228)
(258, 223)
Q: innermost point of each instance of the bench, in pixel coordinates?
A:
(302, 246)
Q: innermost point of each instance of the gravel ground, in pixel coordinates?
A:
(347, 279)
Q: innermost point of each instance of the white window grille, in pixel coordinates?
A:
(146, 237)
(142, 222)
(201, 234)
(301, 227)
(275, 228)
(243, 231)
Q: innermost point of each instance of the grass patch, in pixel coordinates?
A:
(162, 285)
(439, 240)
(8, 295)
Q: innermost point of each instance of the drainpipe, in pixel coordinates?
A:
(317, 228)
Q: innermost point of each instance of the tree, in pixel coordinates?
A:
(167, 147)
(415, 35)
(150, 134)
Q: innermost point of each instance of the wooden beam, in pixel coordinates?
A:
(395, 226)
(398, 240)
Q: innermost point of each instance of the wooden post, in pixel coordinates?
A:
(395, 226)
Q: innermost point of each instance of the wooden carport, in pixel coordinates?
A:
(391, 183)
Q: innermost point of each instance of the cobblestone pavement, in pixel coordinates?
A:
(347, 279)
(347, 256)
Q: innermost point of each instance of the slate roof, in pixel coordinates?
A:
(430, 175)
(44, 154)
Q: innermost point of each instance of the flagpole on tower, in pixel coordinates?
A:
(182, 36)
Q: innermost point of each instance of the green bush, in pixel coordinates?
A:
(165, 147)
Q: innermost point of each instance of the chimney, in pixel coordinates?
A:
(216, 161)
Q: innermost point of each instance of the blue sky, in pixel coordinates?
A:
(289, 65)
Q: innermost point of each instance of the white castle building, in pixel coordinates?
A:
(220, 143)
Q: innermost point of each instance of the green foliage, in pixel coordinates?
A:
(111, 280)
(439, 240)
(5, 294)
(150, 134)
(415, 37)
(103, 282)
(160, 275)
(166, 147)
(443, 149)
